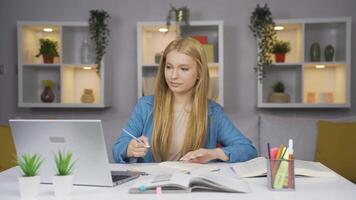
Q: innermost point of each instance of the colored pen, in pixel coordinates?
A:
(291, 161)
(269, 151)
(135, 138)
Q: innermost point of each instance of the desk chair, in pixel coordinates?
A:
(7, 149)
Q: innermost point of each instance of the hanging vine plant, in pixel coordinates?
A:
(262, 26)
(180, 15)
(99, 31)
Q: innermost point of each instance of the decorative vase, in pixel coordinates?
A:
(87, 96)
(47, 58)
(279, 97)
(311, 97)
(62, 186)
(29, 186)
(280, 57)
(47, 95)
(85, 52)
(329, 53)
(315, 52)
(158, 58)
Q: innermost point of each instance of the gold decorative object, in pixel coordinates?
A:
(87, 96)
(279, 97)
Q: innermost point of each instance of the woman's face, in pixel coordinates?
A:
(181, 73)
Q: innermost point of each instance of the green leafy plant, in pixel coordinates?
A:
(181, 15)
(48, 83)
(278, 87)
(98, 28)
(29, 164)
(48, 47)
(281, 46)
(262, 26)
(64, 163)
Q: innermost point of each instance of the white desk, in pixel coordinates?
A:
(306, 188)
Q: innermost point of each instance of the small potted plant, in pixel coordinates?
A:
(63, 180)
(48, 49)
(280, 48)
(47, 95)
(29, 181)
(278, 95)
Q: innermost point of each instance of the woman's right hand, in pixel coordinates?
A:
(136, 149)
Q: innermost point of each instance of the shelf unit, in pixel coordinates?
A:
(307, 85)
(150, 42)
(69, 74)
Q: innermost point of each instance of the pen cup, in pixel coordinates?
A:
(280, 174)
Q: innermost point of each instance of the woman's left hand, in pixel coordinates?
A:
(204, 155)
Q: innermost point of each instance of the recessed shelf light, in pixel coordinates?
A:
(320, 66)
(163, 30)
(278, 28)
(47, 29)
(87, 68)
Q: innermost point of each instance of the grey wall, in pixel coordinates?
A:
(239, 48)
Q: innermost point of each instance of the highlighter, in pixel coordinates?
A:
(290, 168)
(282, 171)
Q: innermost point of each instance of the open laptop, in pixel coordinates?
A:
(84, 138)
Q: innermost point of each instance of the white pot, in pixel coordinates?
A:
(62, 185)
(29, 186)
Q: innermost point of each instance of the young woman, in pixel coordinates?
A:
(179, 122)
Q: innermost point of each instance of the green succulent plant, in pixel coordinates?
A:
(48, 47)
(278, 87)
(281, 46)
(64, 163)
(29, 164)
(48, 83)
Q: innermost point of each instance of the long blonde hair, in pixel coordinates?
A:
(163, 103)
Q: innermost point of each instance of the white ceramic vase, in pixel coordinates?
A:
(62, 185)
(29, 186)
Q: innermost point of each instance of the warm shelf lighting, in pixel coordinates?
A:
(163, 30)
(320, 66)
(47, 30)
(278, 28)
(87, 68)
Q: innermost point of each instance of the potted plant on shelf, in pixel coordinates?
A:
(280, 48)
(98, 28)
(47, 95)
(63, 180)
(278, 95)
(48, 50)
(262, 26)
(29, 181)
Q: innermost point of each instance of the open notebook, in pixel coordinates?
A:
(184, 182)
(258, 167)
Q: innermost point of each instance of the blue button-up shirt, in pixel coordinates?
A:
(220, 130)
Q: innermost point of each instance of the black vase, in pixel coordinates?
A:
(315, 52)
(47, 95)
(329, 53)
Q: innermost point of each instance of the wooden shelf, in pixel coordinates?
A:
(309, 84)
(67, 72)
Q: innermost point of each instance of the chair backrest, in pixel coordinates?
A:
(7, 148)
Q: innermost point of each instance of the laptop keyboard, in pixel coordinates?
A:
(116, 178)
